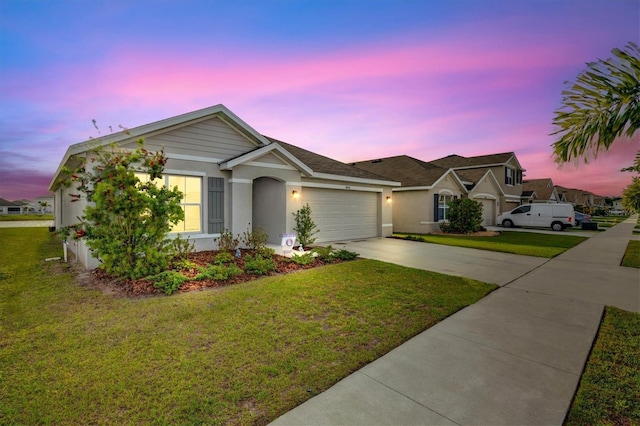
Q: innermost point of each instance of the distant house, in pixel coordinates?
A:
(539, 191)
(505, 167)
(237, 179)
(421, 202)
(9, 207)
(582, 200)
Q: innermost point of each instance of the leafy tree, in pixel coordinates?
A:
(464, 217)
(305, 226)
(127, 221)
(631, 195)
(602, 105)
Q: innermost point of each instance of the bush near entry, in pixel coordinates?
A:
(464, 217)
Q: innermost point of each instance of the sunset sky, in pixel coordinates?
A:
(349, 79)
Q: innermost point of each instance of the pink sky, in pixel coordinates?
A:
(345, 81)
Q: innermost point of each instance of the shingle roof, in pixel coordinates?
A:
(472, 175)
(542, 187)
(7, 203)
(407, 170)
(321, 164)
(454, 161)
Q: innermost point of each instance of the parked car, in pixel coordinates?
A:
(582, 217)
(554, 216)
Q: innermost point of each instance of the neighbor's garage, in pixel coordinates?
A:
(488, 211)
(342, 214)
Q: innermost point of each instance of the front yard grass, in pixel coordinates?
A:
(632, 255)
(609, 389)
(523, 243)
(242, 354)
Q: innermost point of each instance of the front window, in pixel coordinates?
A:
(443, 206)
(508, 176)
(191, 203)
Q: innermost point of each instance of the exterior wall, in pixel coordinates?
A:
(413, 212)
(488, 194)
(209, 139)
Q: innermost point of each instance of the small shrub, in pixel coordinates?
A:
(219, 272)
(255, 239)
(169, 281)
(305, 226)
(259, 265)
(223, 257)
(227, 242)
(266, 252)
(183, 264)
(306, 258)
(344, 254)
(181, 248)
(326, 254)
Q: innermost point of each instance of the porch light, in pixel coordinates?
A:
(388, 198)
(295, 194)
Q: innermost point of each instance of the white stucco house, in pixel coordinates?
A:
(235, 178)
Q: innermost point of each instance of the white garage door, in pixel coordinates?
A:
(488, 212)
(342, 215)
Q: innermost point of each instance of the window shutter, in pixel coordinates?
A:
(435, 208)
(216, 205)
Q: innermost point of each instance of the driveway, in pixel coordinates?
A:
(487, 266)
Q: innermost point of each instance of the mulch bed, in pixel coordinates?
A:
(136, 288)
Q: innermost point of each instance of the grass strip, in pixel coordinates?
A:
(632, 255)
(22, 217)
(522, 243)
(609, 389)
(244, 354)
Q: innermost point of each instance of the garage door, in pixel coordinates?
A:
(488, 212)
(342, 215)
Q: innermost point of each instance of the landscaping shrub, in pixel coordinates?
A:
(227, 242)
(305, 258)
(259, 265)
(464, 217)
(219, 272)
(181, 248)
(169, 281)
(305, 226)
(344, 254)
(325, 254)
(126, 221)
(223, 257)
(255, 239)
(183, 264)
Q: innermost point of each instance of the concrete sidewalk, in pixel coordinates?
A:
(515, 357)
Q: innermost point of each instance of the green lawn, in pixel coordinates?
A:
(17, 217)
(524, 243)
(632, 255)
(609, 389)
(243, 354)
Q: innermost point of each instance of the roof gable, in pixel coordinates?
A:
(459, 162)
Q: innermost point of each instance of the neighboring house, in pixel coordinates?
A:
(581, 200)
(44, 204)
(539, 191)
(505, 167)
(9, 207)
(237, 179)
(616, 204)
(421, 203)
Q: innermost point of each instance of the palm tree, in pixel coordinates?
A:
(602, 105)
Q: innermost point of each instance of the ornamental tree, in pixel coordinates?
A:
(464, 217)
(127, 221)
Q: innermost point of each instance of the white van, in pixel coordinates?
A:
(554, 216)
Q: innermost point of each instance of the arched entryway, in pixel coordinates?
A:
(269, 207)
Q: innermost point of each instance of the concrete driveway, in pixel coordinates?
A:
(487, 266)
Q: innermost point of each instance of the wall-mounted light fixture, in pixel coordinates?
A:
(295, 194)
(388, 198)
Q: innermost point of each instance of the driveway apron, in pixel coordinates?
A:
(514, 357)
